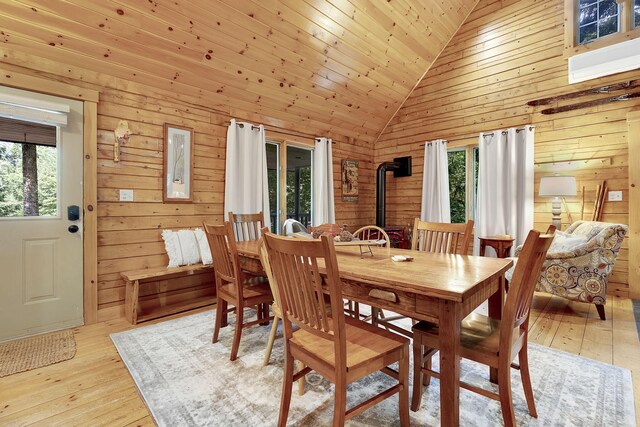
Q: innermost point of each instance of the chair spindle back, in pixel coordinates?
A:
(295, 266)
(442, 238)
(370, 232)
(246, 226)
(224, 252)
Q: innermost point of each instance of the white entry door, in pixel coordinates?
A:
(40, 213)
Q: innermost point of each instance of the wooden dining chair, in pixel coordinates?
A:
(233, 287)
(551, 229)
(372, 232)
(433, 237)
(246, 226)
(440, 237)
(340, 348)
(275, 307)
(489, 341)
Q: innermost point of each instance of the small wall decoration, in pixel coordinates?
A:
(122, 134)
(178, 164)
(349, 181)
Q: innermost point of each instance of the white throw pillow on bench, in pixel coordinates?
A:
(184, 247)
(203, 244)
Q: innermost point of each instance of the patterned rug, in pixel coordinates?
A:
(186, 380)
(35, 352)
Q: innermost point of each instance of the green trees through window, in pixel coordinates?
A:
(28, 180)
(597, 18)
(461, 173)
(299, 192)
(458, 185)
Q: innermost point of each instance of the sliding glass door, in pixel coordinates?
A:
(291, 189)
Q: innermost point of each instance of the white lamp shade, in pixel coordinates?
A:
(557, 186)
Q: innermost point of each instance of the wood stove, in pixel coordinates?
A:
(401, 166)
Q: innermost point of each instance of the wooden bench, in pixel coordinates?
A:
(135, 278)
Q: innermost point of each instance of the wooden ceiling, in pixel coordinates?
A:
(342, 67)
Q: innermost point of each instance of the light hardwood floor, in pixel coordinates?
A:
(95, 388)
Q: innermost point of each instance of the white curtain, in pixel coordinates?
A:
(505, 184)
(435, 183)
(322, 204)
(246, 188)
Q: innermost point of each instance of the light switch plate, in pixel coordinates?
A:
(126, 195)
(615, 196)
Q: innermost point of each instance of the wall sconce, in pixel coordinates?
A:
(557, 187)
(122, 134)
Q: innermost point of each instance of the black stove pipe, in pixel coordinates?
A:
(381, 189)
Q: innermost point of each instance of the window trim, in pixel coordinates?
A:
(571, 46)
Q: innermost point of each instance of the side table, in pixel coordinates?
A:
(500, 244)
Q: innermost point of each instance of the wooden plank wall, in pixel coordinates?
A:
(507, 53)
(129, 234)
(335, 69)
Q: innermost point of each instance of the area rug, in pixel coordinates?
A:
(186, 380)
(35, 352)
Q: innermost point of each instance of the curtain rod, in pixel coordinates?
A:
(280, 132)
(504, 132)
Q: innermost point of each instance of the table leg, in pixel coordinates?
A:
(482, 248)
(504, 250)
(496, 302)
(449, 363)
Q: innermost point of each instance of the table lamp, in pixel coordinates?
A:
(557, 187)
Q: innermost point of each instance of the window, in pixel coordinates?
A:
(28, 169)
(458, 185)
(463, 183)
(593, 24)
(273, 177)
(294, 191)
(597, 18)
(299, 184)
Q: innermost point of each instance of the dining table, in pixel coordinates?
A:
(438, 288)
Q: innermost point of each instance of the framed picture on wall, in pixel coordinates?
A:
(350, 181)
(178, 164)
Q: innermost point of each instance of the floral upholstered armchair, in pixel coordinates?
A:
(580, 260)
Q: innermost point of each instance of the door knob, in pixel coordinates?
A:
(73, 228)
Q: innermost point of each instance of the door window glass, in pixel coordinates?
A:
(273, 178)
(28, 169)
(299, 184)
